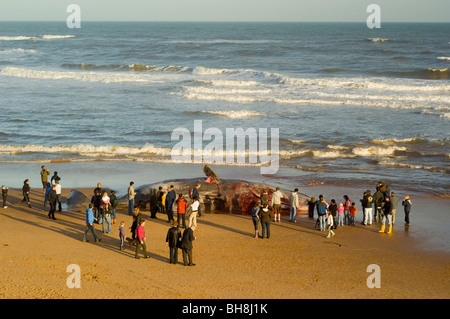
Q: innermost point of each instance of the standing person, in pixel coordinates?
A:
(47, 191)
(131, 195)
(193, 216)
(330, 223)
(378, 199)
(340, 211)
(173, 239)
(276, 204)
(332, 208)
(367, 203)
(311, 205)
(186, 245)
(45, 173)
(394, 203)
(53, 200)
(141, 240)
(97, 201)
(4, 195)
(106, 213)
(122, 234)
(322, 212)
(255, 217)
(26, 192)
(387, 215)
(90, 224)
(137, 217)
(182, 205)
(196, 193)
(159, 196)
(407, 204)
(294, 206)
(170, 201)
(264, 198)
(114, 202)
(347, 204)
(58, 195)
(55, 177)
(353, 210)
(153, 204)
(265, 215)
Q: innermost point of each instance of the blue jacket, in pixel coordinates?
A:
(322, 209)
(89, 216)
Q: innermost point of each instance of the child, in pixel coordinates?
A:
(353, 210)
(340, 214)
(330, 224)
(182, 205)
(122, 234)
(4, 195)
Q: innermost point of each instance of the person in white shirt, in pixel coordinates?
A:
(194, 210)
(58, 194)
(276, 203)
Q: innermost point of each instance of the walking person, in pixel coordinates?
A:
(90, 224)
(141, 240)
(332, 208)
(131, 195)
(407, 204)
(294, 206)
(276, 204)
(265, 215)
(173, 240)
(122, 234)
(26, 193)
(330, 223)
(186, 246)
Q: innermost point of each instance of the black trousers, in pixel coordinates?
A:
(187, 256)
(182, 217)
(173, 255)
(51, 213)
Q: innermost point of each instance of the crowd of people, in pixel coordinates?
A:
(381, 206)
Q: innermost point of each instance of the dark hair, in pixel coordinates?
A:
(296, 190)
(131, 183)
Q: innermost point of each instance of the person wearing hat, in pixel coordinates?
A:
(407, 203)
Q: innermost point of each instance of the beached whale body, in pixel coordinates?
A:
(236, 196)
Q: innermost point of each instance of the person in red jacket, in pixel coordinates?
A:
(141, 240)
(182, 205)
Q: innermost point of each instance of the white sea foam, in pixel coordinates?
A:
(16, 38)
(444, 58)
(52, 36)
(235, 114)
(105, 77)
(378, 39)
(377, 151)
(19, 50)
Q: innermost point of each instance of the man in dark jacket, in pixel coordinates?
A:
(367, 203)
(186, 245)
(53, 200)
(170, 200)
(378, 199)
(173, 241)
(26, 192)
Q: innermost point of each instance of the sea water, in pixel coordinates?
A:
(353, 106)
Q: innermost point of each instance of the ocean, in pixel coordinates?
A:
(352, 105)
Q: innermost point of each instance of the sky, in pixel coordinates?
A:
(227, 10)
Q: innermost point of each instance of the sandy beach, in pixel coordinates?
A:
(297, 262)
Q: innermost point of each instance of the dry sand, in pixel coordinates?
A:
(296, 262)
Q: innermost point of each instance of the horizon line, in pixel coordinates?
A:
(224, 21)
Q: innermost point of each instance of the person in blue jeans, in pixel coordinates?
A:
(90, 224)
(322, 212)
(131, 194)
